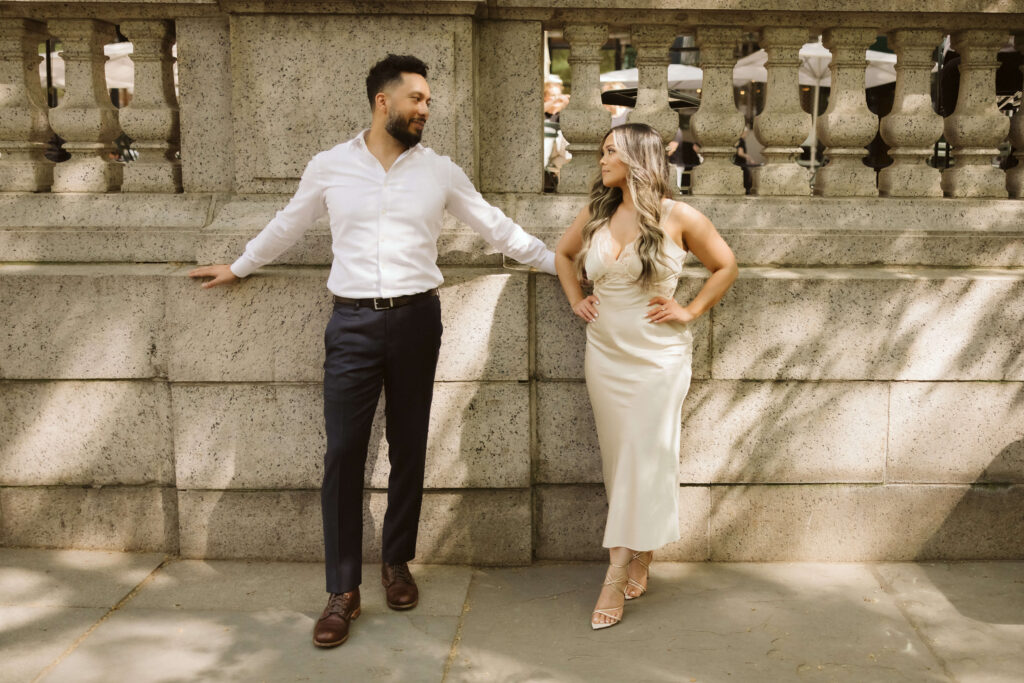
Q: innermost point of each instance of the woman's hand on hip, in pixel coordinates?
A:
(586, 308)
(664, 310)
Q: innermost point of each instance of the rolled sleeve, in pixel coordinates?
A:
(305, 208)
(500, 231)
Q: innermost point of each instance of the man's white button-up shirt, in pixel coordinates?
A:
(385, 225)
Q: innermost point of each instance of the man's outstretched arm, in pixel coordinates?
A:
(304, 208)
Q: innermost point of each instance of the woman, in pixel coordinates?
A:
(631, 242)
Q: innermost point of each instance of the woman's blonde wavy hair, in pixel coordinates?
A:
(640, 147)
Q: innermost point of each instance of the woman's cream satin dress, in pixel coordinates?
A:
(637, 376)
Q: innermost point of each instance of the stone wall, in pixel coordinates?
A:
(858, 394)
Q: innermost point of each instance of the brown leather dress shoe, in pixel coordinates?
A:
(331, 628)
(399, 586)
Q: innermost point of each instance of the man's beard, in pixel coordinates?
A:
(398, 128)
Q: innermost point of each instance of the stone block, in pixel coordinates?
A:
(465, 527)
(85, 433)
(82, 321)
(283, 114)
(956, 432)
(260, 436)
(204, 73)
(871, 323)
(269, 327)
(248, 436)
(479, 438)
(100, 227)
(486, 328)
(510, 73)
(241, 217)
(784, 432)
(852, 523)
(562, 337)
(570, 523)
(130, 518)
(567, 447)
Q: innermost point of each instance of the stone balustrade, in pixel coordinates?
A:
(866, 365)
(89, 123)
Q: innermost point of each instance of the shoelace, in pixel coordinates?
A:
(401, 573)
(337, 604)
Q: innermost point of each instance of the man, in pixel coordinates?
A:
(385, 195)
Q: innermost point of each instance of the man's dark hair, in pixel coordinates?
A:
(389, 70)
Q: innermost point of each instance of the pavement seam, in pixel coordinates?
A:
(458, 629)
(891, 592)
(120, 603)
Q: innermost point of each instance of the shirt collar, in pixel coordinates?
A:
(361, 140)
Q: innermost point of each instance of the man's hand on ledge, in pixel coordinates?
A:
(221, 274)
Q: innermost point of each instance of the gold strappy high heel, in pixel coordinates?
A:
(647, 570)
(620, 584)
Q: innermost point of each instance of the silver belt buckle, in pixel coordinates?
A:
(380, 305)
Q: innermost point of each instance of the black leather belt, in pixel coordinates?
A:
(384, 303)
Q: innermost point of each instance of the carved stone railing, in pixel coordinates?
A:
(89, 123)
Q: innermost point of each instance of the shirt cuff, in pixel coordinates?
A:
(243, 266)
(547, 263)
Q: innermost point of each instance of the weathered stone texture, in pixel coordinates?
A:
(471, 526)
(874, 324)
(570, 520)
(956, 432)
(281, 117)
(259, 436)
(204, 69)
(268, 327)
(131, 518)
(81, 322)
(85, 433)
(511, 67)
(843, 523)
(784, 432)
(486, 329)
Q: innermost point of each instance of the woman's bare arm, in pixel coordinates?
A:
(565, 254)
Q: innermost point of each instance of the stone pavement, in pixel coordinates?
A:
(102, 616)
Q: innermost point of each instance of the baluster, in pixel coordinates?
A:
(717, 124)
(976, 127)
(1015, 176)
(151, 119)
(847, 126)
(783, 125)
(584, 121)
(912, 127)
(24, 124)
(652, 43)
(86, 119)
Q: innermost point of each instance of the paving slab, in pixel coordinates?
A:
(698, 622)
(151, 645)
(249, 586)
(971, 614)
(248, 620)
(31, 638)
(70, 578)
